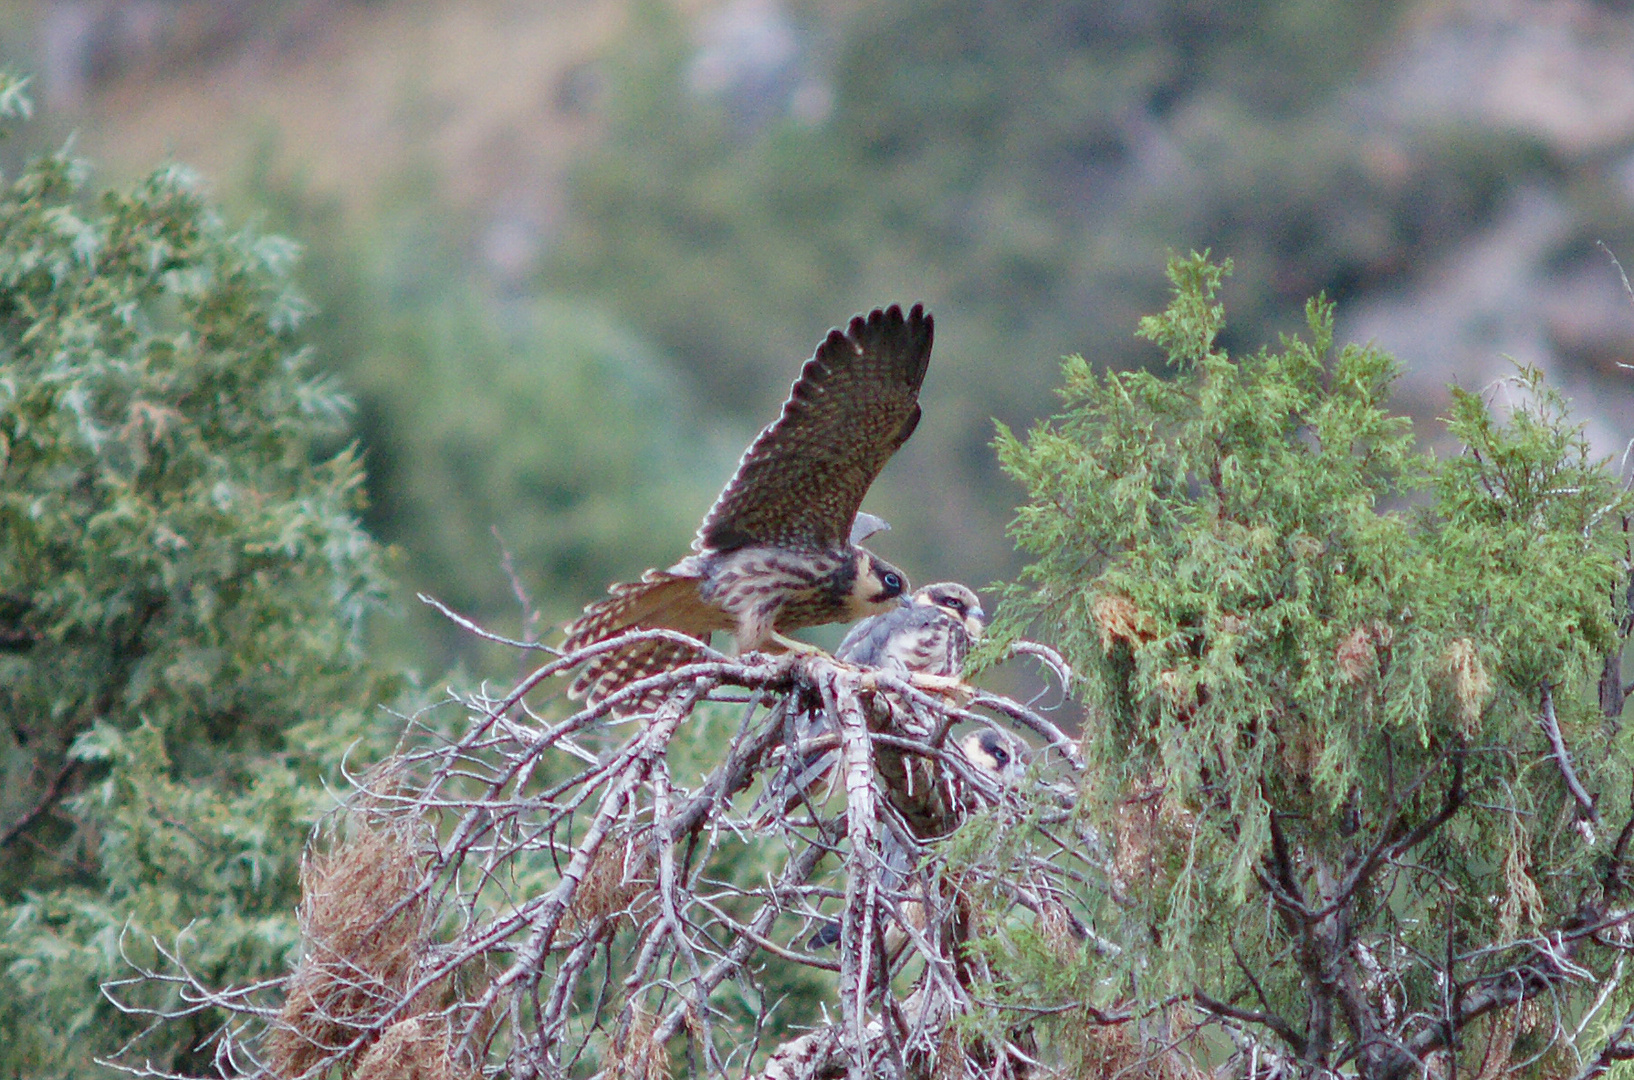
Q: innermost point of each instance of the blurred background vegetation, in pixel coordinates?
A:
(567, 256)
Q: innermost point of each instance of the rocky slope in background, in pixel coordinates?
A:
(492, 100)
(1535, 284)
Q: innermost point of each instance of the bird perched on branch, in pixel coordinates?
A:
(779, 550)
(930, 636)
(926, 639)
(996, 755)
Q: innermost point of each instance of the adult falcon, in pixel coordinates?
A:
(780, 550)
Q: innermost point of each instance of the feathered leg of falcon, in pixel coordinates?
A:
(780, 550)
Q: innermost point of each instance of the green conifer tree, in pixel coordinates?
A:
(183, 584)
(1357, 779)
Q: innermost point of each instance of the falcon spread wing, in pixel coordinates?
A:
(801, 482)
(779, 549)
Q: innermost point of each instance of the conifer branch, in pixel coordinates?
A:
(1616, 879)
(1284, 1030)
(1619, 1047)
(1280, 881)
(48, 798)
(1297, 1042)
(1555, 965)
(1393, 842)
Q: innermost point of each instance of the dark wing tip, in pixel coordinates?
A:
(913, 334)
(883, 332)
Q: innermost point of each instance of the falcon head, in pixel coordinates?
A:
(877, 587)
(959, 602)
(994, 753)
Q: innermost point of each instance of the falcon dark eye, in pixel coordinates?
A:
(892, 583)
(956, 604)
(1001, 756)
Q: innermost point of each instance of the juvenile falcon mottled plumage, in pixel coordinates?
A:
(994, 753)
(930, 635)
(779, 549)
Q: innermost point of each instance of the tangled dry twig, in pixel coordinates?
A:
(545, 897)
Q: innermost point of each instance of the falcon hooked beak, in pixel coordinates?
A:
(879, 587)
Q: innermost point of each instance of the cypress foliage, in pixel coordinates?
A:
(1326, 675)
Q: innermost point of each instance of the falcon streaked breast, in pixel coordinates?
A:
(780, 548)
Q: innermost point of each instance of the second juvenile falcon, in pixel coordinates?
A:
(925, 638)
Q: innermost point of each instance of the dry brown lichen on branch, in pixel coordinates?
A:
(534, 892)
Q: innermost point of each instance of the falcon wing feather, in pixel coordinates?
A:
(802, 480)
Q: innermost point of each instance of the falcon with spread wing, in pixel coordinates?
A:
(780, 548)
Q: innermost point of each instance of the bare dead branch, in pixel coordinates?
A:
(591, 895)
(487, 635)
(1557, 744)
(567, 913)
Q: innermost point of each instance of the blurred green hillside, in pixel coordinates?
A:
(568, 256)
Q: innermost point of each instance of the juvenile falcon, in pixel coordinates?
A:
(930, 635)
(926, 638)
(780, 548)
(995, 754)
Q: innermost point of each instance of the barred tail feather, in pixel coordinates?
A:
(659, 600)
(612, 671)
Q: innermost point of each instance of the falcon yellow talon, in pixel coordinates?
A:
(794, 645)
